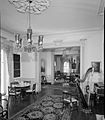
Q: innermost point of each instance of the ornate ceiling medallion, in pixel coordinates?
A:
(36, 6)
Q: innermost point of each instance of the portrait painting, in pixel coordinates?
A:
(96, 66)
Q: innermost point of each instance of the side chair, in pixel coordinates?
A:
(32, 91)
(69, 101)
(13, 84)
(3, 108)
(29, 82)
(14, 93)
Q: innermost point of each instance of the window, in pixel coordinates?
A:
(66, 67)
(16, 59)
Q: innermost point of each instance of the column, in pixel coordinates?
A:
(103, 47)
(52, 68)
(82, 55)
(38, 71)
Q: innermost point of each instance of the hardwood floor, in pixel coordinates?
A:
(17, 106)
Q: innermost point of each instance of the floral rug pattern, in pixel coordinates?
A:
(49, 108)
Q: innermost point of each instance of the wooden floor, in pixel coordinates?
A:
(17, 106)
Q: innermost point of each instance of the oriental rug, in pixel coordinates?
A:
(48, 108)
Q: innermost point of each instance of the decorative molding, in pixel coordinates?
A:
(58, 42)
(101, 8)
(32, 6)
(82, 41)
(63, 44)
(70, 32)
(5, 42)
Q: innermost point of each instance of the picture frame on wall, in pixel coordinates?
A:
(96, 66)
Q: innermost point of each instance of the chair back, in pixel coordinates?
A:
(13, 84)
(12, 90)
(34, 87)
(1, 110)
(4, 107)
(27, 82)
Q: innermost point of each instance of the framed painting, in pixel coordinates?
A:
(96, 66)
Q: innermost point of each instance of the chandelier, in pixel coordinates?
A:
(30, 6)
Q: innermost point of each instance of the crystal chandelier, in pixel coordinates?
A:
(30, 6)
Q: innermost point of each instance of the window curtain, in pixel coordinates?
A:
(6, 65)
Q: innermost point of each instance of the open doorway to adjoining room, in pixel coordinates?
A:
(66, 63)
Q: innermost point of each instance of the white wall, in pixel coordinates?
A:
(28, 65)
(93, 49)
(7, 35)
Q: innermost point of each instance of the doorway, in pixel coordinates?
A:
(66, 61)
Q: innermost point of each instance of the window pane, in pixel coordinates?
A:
(16, 58)
(66, 67)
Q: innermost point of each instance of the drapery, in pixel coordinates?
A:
(4, 72)
(6, 65)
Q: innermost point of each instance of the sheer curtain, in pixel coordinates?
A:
(5, 66)
(4, 72)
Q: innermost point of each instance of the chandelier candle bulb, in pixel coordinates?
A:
(17, 37)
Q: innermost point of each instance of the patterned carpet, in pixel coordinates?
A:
(48, 108)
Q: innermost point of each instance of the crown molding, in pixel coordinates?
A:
(72, 31)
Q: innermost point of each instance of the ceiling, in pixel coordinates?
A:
(62, 16)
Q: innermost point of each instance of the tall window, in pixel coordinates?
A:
(16, 59)
(66, 67)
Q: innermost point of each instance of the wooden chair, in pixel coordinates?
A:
(29, 82)
(32, 91)
(4, 108)
(69, 101)
(13, 84)
(14, 93)
(1, 111)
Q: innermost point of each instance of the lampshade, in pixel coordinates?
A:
(40, 40)
(17, 37)
(29, 36)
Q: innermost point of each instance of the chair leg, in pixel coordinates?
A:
(34, 95)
